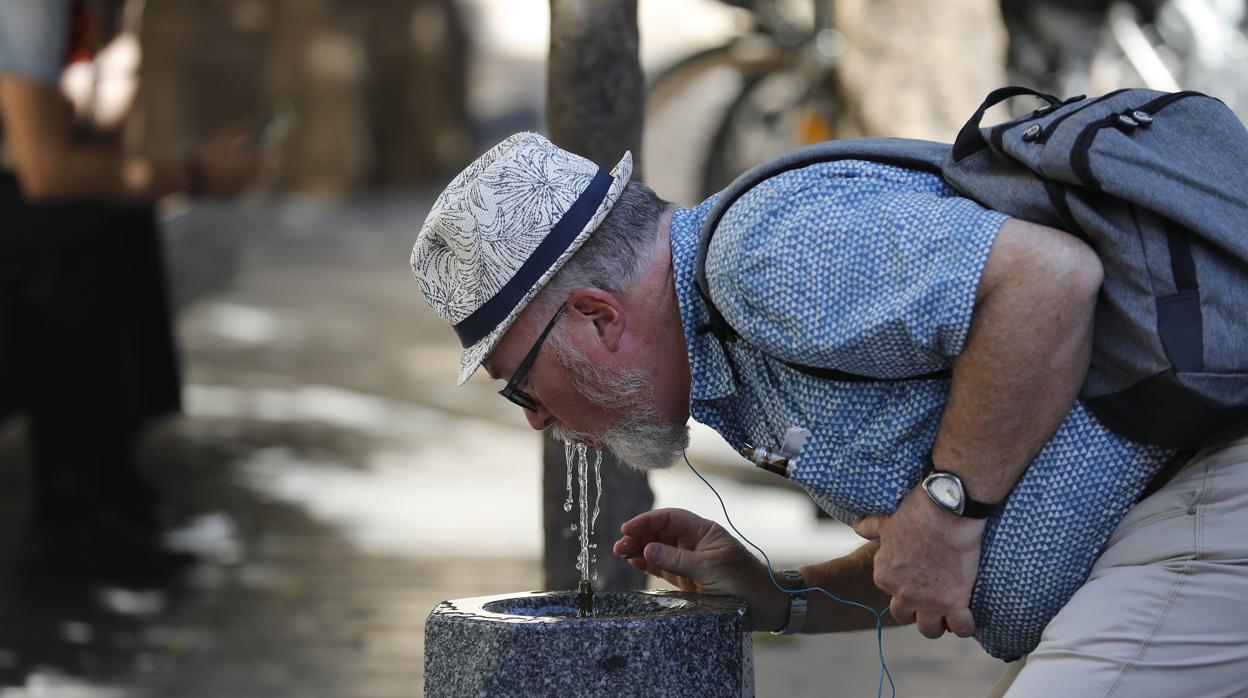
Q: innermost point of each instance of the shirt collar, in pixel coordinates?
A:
(710, 374)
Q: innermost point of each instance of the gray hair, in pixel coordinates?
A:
(616, 255)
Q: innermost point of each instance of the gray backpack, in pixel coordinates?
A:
(1157, 184)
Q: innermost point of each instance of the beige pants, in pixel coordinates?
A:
(1165, 610)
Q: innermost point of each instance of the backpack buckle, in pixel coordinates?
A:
(1133, 118)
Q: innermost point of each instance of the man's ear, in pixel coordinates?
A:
(604, 310)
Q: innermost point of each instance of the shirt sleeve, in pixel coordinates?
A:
(853, 266)
(33, 34)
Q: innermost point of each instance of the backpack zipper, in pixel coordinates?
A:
(997, 133)
(1157, 104)
(1083, 144)
(1052, 125)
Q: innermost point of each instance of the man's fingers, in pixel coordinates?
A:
(868, 527)
(668, 523)
(901, 611)
(930, 625)
(682, 583)
(674, 560)
(628, 547)
(960, 623)
(676, 580)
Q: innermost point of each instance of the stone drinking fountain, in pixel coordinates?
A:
(655, 643)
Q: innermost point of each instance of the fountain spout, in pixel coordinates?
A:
(585, 599)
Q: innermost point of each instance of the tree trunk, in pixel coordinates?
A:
(595, 102)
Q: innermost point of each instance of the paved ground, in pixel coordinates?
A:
(338, 486)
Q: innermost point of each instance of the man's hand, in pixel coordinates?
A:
(927, 562)
(694, 554)
(1025, 357)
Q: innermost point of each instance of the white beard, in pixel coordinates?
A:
(640, 437)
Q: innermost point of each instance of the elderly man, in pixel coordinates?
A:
(993, 492)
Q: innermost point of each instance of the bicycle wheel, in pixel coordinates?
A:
(772, 114)
(684, 108)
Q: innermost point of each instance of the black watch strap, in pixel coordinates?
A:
(971, 508)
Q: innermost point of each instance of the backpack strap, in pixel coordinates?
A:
(911, 154)
(970, 140)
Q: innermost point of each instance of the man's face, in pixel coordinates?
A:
(578, 399)
(639, 435)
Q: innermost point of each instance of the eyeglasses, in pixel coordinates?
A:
(510, 391)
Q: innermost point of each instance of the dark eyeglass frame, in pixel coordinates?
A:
(511, 391)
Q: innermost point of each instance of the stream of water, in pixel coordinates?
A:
(586, 519)
(569, 457)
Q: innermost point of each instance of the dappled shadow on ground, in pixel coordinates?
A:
(280, 604)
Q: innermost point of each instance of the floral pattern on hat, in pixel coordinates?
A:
(490, 219)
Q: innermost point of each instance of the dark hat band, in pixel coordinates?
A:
(483, 320)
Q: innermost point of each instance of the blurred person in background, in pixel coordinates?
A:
(86, 348)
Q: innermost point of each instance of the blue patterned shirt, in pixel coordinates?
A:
(873, 270)
(33, 37)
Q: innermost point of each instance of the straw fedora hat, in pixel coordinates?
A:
(501, 229)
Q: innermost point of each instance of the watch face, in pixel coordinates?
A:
(946, 491)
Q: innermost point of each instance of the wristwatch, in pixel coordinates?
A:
(797, 602)
(947, 491)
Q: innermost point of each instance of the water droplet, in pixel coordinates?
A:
(567, 506)
(573, 527)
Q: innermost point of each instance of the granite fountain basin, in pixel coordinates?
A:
(660, 643)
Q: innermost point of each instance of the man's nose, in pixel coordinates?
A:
(539, 419)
